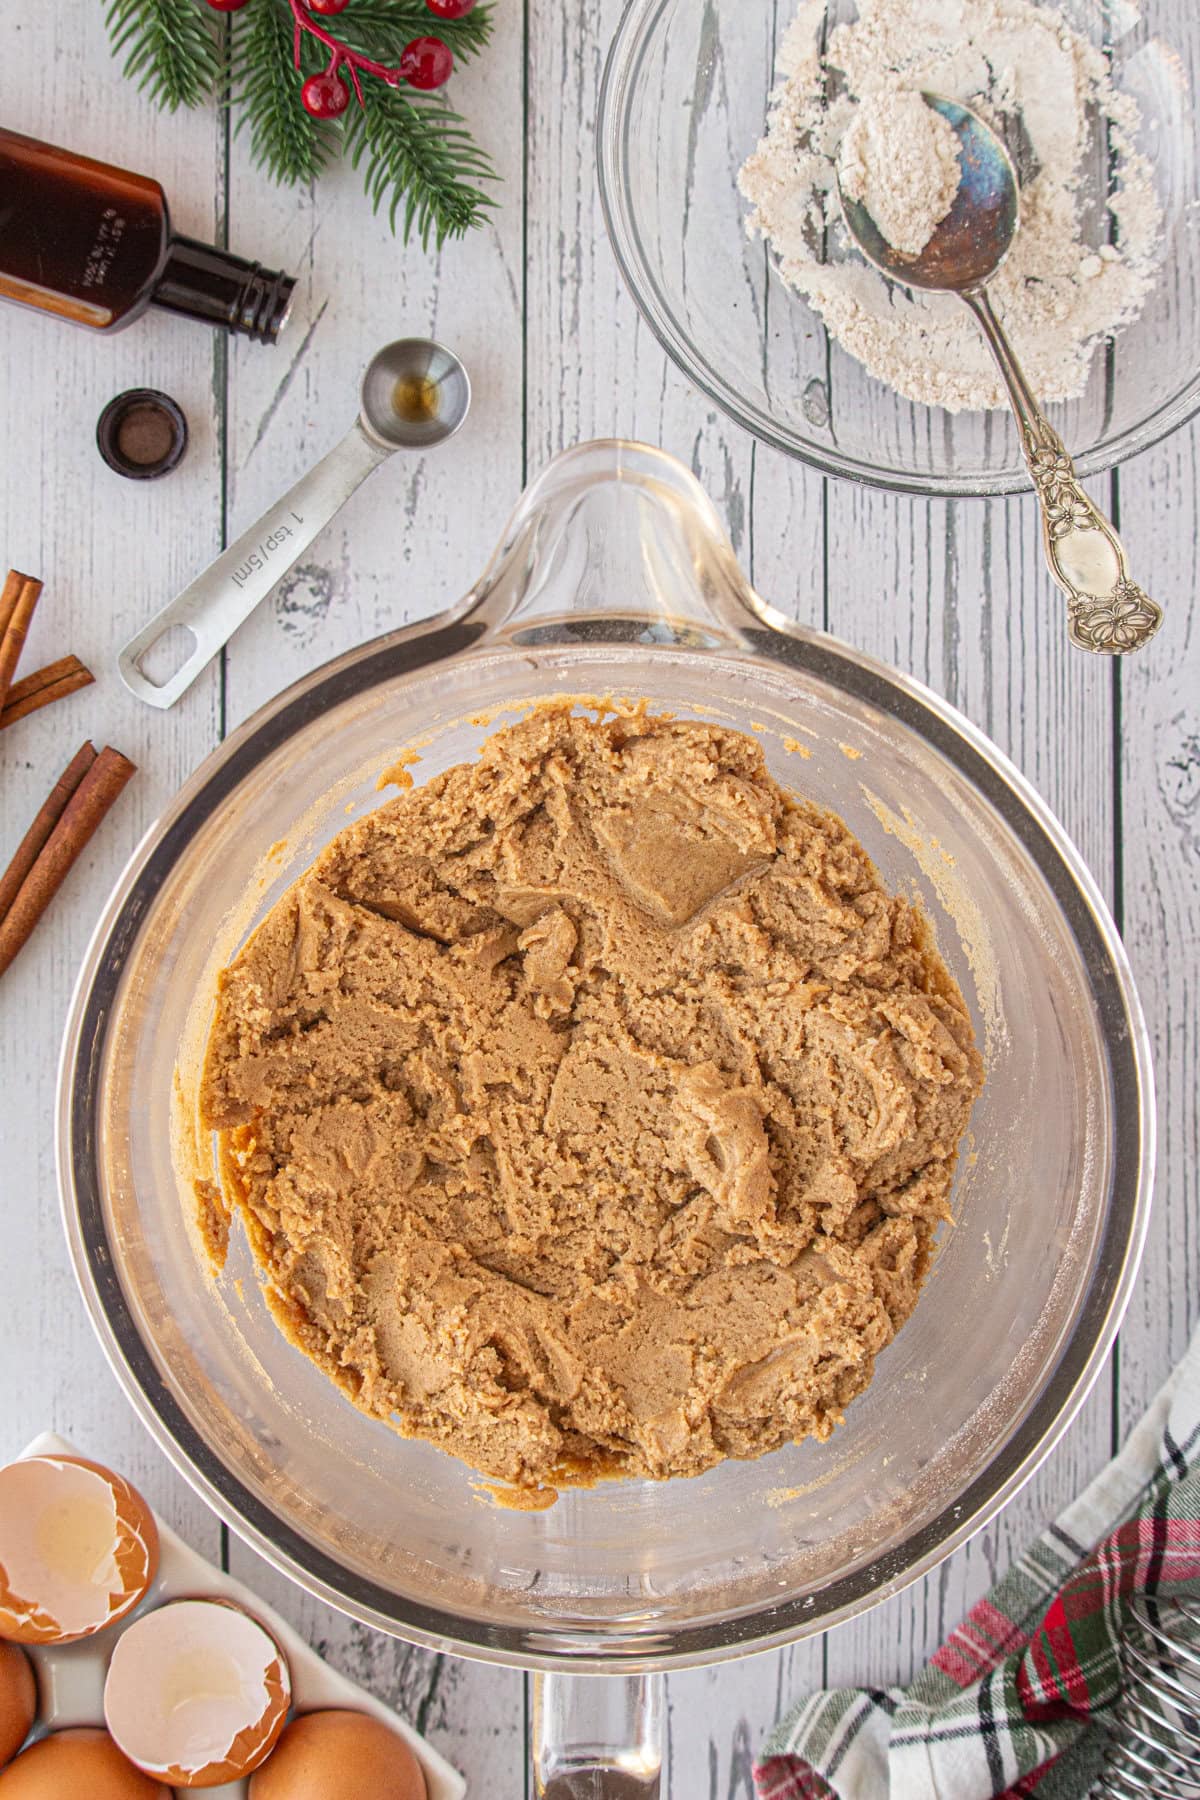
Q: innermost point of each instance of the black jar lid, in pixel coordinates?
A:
(142, 433)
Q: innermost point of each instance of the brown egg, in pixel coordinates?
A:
(83, 1764)
(339, 1756)
(18, 1699)
(78, 1549)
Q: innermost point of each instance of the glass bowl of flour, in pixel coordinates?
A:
(719, 132)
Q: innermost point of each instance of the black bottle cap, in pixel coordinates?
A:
(142, 433)
(203, 282)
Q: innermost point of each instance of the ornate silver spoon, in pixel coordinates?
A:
(1107, 611)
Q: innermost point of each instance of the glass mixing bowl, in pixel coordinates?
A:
(682, 104)
(614, 577)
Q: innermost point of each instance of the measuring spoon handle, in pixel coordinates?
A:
(1107, 612)
(228, 591)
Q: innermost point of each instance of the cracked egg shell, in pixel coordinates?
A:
(339, 1756)
(197, 1693)
(79, 1763)
(78, 1549)
(18, 1699)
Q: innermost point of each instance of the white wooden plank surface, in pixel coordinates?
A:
(1160, 861)
(558, 351)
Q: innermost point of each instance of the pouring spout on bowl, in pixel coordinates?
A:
(615, 531)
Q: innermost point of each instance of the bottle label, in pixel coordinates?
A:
(109, 233)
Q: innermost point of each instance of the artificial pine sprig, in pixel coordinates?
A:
(419, 157)
(419, 162)
(171, 49)
(390, 24)
(284, 139)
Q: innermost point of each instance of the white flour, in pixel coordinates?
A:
(1047, 91)
(900, 158)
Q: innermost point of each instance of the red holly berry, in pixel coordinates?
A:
(325, 96)
(227, 5)
(426, 62)
(450, 9)
(327, 6)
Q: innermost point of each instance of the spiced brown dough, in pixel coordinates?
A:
(592, 1107)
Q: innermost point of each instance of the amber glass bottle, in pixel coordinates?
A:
(94, 245)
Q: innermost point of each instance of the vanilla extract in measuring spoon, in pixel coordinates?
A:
(415, 394)
(416, 399)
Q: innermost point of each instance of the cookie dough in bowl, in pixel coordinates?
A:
(591, 1108)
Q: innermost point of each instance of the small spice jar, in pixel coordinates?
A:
(142, 434)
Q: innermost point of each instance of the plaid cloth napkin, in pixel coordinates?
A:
(1009, 1705)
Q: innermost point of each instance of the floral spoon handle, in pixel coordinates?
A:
(1106, 611)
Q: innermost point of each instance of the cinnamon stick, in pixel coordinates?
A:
(52, 811)
(101, 781)
(17, 603)
(14, 581)
(43, 687)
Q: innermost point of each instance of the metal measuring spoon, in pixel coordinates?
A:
(415, 394)
(1107, 612)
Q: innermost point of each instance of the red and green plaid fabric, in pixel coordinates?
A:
(1014, 1702)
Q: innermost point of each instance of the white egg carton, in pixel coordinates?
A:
(71, 1676)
